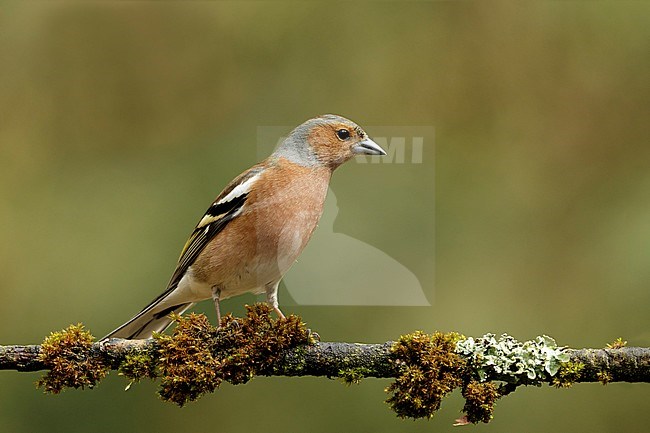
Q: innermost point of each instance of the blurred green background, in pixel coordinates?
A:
(121, 121)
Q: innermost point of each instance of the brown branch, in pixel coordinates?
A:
(627, 364)
(198, 357)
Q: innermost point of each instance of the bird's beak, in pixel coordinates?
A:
(367, 147)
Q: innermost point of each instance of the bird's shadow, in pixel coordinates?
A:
(337, 269)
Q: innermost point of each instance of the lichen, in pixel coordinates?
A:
(67, 355)
(485, 369)
(197, 357)
(526, 363)
(568, 374)
(429, 369)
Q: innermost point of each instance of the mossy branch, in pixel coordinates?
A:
(628, 364)
(317, 359)
(328, 359)
(197, 357)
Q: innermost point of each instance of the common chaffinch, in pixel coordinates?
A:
(256, 228)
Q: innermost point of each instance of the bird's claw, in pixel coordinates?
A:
(313, 336)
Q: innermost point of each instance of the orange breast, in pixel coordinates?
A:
(262, 243)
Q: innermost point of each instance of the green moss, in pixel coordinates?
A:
(187, 365)
(137, 366)
(619, 343)
(479, 401)
(351, 376)
(429, 369)
(68, 356)
(568, 373)
(604, 377)
(295, 365)
(197, 357)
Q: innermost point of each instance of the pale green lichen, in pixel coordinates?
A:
(528, 362)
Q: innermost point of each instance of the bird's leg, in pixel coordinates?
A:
(272, 298)
(216, 294)
(278, 312)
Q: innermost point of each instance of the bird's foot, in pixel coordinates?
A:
(313, 336)
(278, 312)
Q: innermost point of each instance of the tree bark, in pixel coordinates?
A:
(627, 364)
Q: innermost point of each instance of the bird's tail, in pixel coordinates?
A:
(153, 318)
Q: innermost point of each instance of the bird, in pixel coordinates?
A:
(256, 228)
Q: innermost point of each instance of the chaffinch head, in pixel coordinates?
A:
(256, 228)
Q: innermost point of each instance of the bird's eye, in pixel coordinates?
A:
(343, 134)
